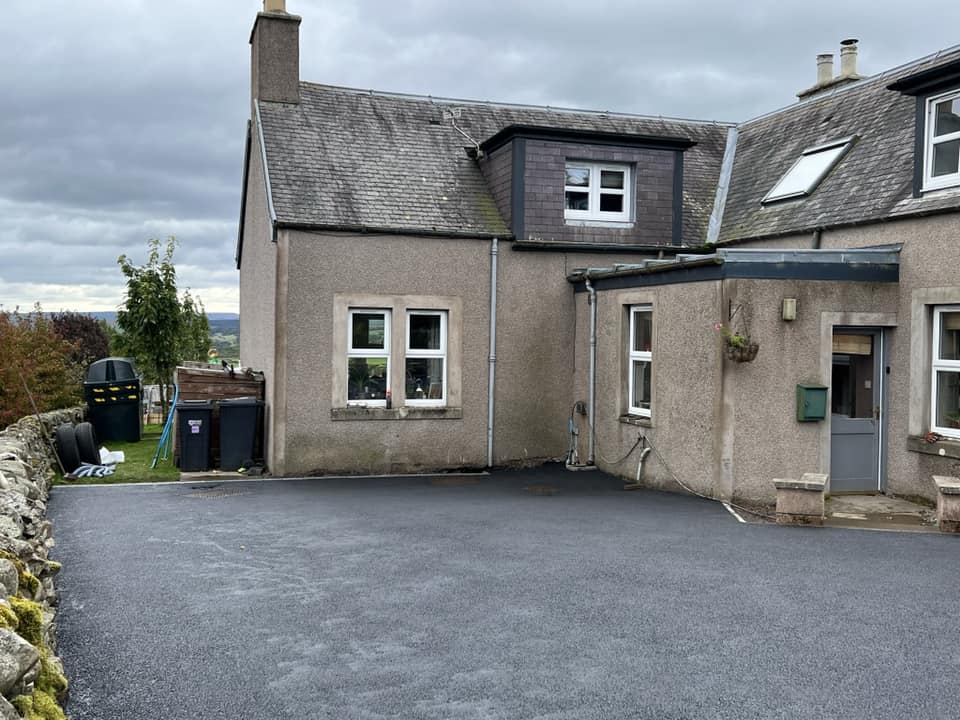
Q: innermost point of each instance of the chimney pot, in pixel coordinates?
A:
(848, 57)
(275, 6)
(824, 68)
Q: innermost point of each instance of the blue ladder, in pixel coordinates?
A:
(165, 436)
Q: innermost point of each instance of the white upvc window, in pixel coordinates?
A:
(945, 390)
(597, 191)
(941, 166)
(640, 356)
(425, 361)
(368, 357)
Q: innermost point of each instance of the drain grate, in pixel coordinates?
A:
(215, 491)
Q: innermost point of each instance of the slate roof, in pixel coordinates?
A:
(874, 181)
(366, 160)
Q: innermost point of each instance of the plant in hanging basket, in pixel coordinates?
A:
(736, 345)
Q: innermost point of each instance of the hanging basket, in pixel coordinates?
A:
(742, 353)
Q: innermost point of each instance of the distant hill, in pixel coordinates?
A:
(224, 331)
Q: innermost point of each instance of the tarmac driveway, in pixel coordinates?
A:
(406, 598)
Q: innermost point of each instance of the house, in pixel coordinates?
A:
(435, 284)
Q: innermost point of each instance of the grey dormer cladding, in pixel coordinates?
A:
(365, 161)
(873, 182)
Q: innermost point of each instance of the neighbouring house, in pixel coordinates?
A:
(435, 284)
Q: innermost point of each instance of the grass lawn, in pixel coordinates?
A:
(136, 468)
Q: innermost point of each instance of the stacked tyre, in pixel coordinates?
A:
(76, 446)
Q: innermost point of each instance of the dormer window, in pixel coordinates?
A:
(942, 161)
(809, 170)
(597, 191)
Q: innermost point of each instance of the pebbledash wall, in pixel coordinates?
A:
(31, 675)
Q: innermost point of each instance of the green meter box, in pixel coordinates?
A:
(811, 402)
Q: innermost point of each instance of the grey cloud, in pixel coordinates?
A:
(124, 119)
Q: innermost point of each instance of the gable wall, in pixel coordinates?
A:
(258, 279)
(497, 169)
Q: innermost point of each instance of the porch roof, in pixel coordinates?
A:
(872, 264)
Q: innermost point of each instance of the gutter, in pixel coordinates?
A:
(377, 230)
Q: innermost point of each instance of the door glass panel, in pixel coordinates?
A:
(852, 386)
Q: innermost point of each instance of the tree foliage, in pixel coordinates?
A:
(31, 347)
(86, 334)
(155, 325)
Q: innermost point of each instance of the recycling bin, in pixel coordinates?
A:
(239, 426)
(194, 426)
(113, 392)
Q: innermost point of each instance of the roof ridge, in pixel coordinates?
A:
(858, 85)
(524, 106)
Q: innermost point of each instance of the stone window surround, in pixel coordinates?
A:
(398, 305)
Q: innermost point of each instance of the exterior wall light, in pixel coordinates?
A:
(789, 309)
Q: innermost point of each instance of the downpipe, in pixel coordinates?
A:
(494, 251)
(591, 459)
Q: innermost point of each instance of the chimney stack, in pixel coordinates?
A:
(825, 79)
(824, 68)
(848, 57)
(275, 55)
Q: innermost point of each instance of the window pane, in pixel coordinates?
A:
(948, 117)
(425, 379)
(950, 336)
(946, 158)
(424, 332)
(611, 203)
(642, 331)
(611, 179)
(367, 378)
(802, 178)
(641, 385)
(578, 201)
(948, 399)
(369, 331)
(578, 176)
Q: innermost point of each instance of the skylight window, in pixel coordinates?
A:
(809, 171)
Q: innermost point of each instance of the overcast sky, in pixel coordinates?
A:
(122, 120)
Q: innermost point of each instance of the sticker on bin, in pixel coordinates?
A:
(195, 426)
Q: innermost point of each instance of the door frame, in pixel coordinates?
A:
(856, 322)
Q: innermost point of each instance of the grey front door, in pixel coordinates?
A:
(855, 407)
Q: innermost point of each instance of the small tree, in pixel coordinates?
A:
(30, 347)
(154, 324)
(196, 328)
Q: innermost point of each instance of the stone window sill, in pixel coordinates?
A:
(400, 413)
(943, 448)
(638, 420)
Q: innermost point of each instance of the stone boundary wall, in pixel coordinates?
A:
(32, 683)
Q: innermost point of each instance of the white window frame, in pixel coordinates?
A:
(638, 356)
(415, 354)
(594, 192)
(929, 142)
(369, 352)
(939, 365)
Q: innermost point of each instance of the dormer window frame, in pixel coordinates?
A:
(931, 141)
(596, 192)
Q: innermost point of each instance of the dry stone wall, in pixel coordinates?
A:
(32, 683)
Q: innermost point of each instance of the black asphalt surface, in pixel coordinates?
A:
(400, 598)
